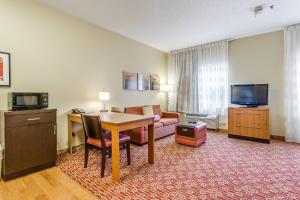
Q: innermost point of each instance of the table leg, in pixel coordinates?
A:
(115, 154)
(70, 130)
(151, 139)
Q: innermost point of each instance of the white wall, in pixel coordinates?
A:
(260, 59)
(72, 60)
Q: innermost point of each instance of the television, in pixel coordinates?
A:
(250, 95)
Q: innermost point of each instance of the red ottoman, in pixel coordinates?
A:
(191, 133)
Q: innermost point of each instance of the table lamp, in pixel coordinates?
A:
(166, 88)
(104, 96)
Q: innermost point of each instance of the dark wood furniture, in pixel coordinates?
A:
(97, 137)
(29, 139)
(249, 123)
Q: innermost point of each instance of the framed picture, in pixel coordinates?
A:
(143, 82)
(129, 81)
(154, 82)
(4, 69)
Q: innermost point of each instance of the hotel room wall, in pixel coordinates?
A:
(260, 59)
(72, 60)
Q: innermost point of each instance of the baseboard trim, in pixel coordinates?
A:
(278, 137)
(66, 150)
(223, 130)
(249, 138)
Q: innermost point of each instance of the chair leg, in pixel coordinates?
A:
(86, 155)
(109, 153)
(103, 162)
(128, 153)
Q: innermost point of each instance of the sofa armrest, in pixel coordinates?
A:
(170, 115)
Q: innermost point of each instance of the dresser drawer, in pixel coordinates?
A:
(30, 119)
(185, 131)
(249, 122)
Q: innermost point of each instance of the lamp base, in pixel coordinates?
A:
(103, 110)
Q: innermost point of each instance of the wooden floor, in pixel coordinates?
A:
(47, 184)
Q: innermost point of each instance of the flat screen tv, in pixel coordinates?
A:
(250, 95)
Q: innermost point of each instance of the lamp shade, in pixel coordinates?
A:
(166, 87)
(104, 96)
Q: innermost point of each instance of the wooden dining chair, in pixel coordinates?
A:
(96, 136)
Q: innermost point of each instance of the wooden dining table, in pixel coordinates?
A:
(116, 122)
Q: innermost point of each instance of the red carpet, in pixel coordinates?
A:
(222, 168)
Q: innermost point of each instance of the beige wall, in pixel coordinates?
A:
(72, 60)
(259, 59)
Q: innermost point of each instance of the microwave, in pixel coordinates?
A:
(27, 101)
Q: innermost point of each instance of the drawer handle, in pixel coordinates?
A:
(33, 119)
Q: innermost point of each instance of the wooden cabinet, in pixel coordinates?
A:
(29, 140)
(249, 123)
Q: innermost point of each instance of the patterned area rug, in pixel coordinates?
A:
(222, 168)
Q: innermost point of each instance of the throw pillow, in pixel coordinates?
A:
(148, 111)
(118, 109)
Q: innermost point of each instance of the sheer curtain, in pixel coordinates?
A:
(292, 83)
(200, 75)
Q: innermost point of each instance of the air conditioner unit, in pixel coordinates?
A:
(212, 121)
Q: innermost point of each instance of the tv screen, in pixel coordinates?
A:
(250, 94)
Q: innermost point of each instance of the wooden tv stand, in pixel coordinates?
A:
(249, 123)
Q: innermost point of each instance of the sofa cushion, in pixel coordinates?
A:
(156, 125)
(168, 121)
(148, 111)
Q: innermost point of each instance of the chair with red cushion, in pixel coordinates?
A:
(97, 137)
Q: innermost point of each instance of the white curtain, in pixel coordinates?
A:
(292, 83)
(200, 75)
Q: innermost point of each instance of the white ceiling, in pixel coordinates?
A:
(174, 24)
